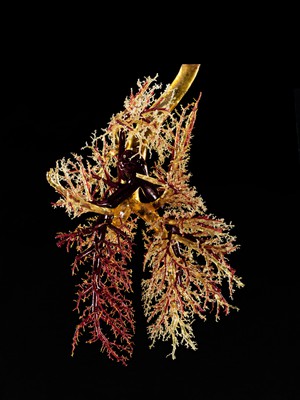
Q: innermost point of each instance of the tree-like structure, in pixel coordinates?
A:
(137, 168)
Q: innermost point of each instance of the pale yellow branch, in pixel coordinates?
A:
(89, 207)
(171, 97)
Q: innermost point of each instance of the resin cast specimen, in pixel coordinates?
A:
(137, 168)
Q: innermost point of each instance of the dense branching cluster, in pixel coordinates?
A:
(137, 168)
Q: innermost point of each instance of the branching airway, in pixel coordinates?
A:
(106, 312)
(114, 180)
(174, 230)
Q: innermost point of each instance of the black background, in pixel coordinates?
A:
(245, 165)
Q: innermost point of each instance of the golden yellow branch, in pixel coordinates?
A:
(179, 86)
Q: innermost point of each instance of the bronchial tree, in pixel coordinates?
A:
(137, 168)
